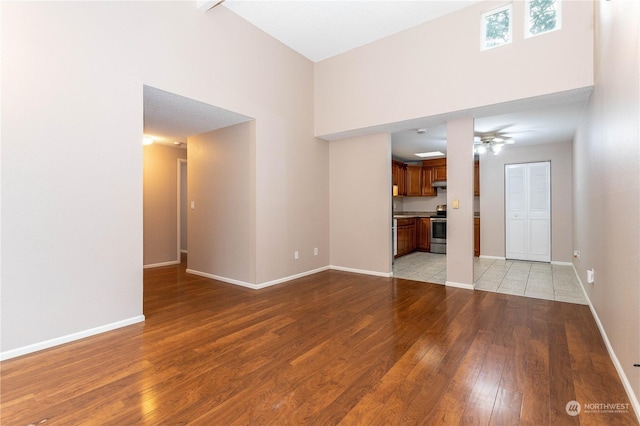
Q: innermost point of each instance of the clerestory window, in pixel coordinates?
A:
(541, 16)
(496, 27)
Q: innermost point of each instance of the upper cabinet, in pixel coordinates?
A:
(399, 174)
(415, 180)
(427, 179)
(439, 168)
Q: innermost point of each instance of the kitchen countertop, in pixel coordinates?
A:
(408, 215)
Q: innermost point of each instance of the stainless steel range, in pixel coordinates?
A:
(438, 238)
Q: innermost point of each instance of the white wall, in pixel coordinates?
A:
(438, 67)
(361, 204)
(429, 204)
(606, 159)
(72, 122)
(492, 241)
(222, 225)
(460, 189)
(438, 70)
(72, 179)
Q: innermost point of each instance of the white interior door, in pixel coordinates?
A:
(528, 211)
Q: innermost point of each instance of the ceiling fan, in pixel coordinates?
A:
(491, 142)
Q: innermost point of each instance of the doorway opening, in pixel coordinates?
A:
(183, 208)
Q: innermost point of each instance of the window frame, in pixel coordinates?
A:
(483, 26)
(527, 20)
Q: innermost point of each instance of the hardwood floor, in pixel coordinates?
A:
(331, 348)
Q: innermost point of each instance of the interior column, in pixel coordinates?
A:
(460, 203)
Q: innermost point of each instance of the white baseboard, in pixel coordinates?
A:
(292, 277)
(221, 278)
(484, 256)
(555, 262)
(256, 286)
(183, 251)
(68, 338)
(616, 363)
(459, 285)
(157, 265)
(361, 271)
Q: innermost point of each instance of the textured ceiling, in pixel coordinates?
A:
(169, 117)
(540, 124)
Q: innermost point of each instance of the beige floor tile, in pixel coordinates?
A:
(540, 287)
(530, 279)
(513, 291)
(487, 285)
(578, 300)
(569, 292)
(536, 295)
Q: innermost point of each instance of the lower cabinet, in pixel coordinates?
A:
(415, 234)
(406, 231)
(476, 236)
(424, 234)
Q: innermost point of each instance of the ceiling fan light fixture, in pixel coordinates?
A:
(491, 142)
(481, 149)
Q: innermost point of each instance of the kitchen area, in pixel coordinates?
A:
(420, 218)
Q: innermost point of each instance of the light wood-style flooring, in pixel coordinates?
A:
(331, 348)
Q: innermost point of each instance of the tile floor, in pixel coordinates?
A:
(530, 279)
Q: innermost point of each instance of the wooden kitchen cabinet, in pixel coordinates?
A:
(414, 180)
(476, 177)
(427, 179)
(439, 166)
(399, 174)
(476, 236)
(424, 233)
(406, 234)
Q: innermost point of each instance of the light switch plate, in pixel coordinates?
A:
(456, 204)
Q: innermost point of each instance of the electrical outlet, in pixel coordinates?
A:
(315, 251)
(576, 254)
(591, 276)
(296, 256)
